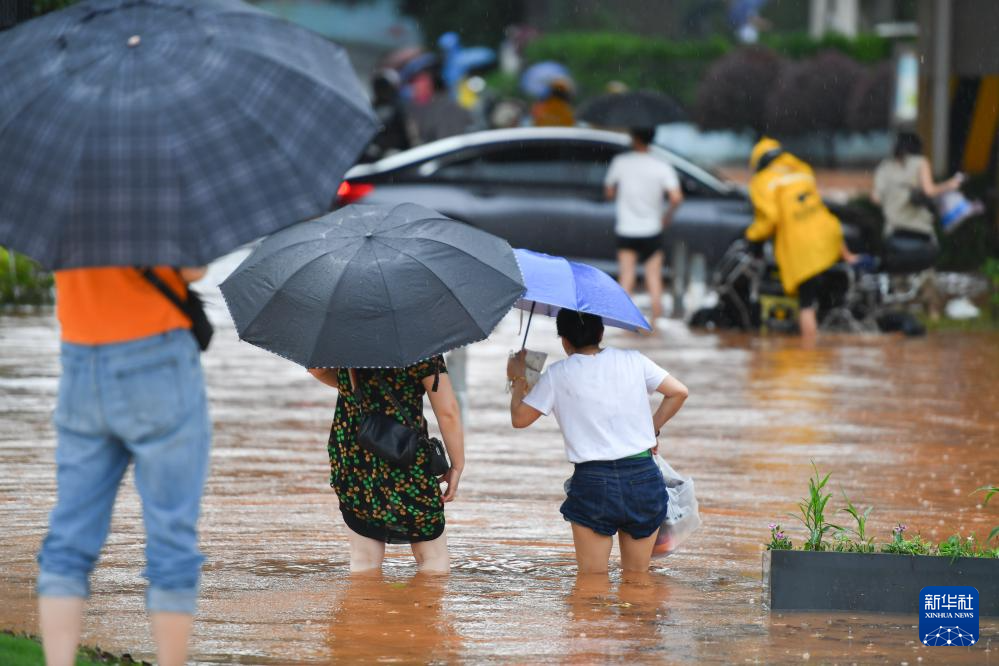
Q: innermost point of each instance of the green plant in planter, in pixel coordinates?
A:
(991, 490)
(958, 546)
(900, 545)
(860, 543)
(813, 510)
(778, 540)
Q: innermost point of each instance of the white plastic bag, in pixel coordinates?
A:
(682, 518)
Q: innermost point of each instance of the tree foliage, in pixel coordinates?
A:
(734, 92)
(478, 22)
(812, 95)
(870, 103)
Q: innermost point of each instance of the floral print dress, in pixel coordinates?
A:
(377, 500)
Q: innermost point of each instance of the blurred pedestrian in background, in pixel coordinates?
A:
(555, 110)
(393, 136)
(380, 503)
(600, 398)
(638, 182)
(808, 239)
(905, 190)
(441, 116)
(131, 391)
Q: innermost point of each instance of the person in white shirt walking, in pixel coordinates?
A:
(600, 398)
(639, 181)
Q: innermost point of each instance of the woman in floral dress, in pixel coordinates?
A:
(381, 503)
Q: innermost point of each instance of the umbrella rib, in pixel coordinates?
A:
(329, 301)
(41, 91)
(434, 273)
(405, 222)
(236, 104)
(288, 279)
(388, 293)
(290, 67)
(79, 156)
(382, 239)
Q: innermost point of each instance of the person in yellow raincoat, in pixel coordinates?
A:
(808, 239)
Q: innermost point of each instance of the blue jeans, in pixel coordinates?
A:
(140, 401)
(610, 495)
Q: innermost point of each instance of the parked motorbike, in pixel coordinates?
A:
(869, 297)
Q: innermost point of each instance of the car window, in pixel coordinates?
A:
(575, 164)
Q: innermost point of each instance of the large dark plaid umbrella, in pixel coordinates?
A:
(372, 286)
(137, 132)
(641, 109)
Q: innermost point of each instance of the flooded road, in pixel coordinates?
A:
(908, 426)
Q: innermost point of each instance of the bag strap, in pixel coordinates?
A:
(390, 394)
(162, 287)
(357, 390)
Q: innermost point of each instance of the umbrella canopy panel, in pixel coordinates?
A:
(371, 286)
(168, 132)
(641, 109)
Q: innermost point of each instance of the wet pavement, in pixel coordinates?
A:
(908, 426)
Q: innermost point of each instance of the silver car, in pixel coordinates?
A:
(542, 189)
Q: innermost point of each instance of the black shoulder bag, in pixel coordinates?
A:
(193, 308)
(396, 443)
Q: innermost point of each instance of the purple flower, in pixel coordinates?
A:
(773, 526)
(780, 535)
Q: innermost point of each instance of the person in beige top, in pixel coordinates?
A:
(901, 180)
(904, 188)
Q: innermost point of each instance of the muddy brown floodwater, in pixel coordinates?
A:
(908, 426)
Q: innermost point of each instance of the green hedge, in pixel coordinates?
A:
(866, 49)
(673, 67)
(640, 62)
(24, 282)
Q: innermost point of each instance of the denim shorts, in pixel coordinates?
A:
(610, 495)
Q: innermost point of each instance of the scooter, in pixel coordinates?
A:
(859, 298)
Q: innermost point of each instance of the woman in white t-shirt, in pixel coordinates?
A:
(600, 398)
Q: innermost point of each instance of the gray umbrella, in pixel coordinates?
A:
(640, 109)
(372, 286)
(136, 132)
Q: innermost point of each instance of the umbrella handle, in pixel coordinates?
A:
(529, 317)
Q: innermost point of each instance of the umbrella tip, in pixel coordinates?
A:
(134, 41)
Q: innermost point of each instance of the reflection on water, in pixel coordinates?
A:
(908, 426)
(603, 613)
(376, 619)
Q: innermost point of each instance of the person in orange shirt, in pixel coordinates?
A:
(131, 392)
(556, 109)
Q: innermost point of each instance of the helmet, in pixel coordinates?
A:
(764, 152)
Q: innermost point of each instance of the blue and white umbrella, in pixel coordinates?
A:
(141, 132)
(554, 283)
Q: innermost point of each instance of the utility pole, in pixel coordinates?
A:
(940, 87)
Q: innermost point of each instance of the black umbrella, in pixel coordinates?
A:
(639, 109)
(372, 286)
(139, 132)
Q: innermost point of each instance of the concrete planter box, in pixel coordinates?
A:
(876, 582)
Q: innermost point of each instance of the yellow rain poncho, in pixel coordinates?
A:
(808, 239)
